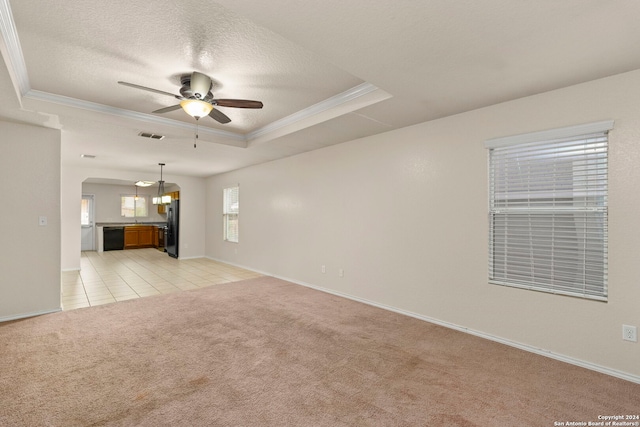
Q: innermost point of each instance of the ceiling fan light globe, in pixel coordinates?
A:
(196, 108)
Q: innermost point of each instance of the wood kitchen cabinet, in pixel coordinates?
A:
(138, 236)
(155, 236)
(175, 195)
(145, 237)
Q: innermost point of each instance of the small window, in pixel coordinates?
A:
(548, 211)
(85, 212)
(231, 211)
(134, 206)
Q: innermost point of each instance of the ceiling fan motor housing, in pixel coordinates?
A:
(187, 91)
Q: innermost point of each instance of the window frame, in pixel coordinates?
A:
(145, 201)
(507, 216)
(85, 211)
(231, 214)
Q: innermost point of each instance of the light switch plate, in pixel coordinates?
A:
(42, 220)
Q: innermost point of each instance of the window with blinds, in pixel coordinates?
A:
(548, 211)
(231, 212)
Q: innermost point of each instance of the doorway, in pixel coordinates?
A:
(87, 223)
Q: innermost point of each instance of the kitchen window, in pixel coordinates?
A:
(548, 211)
(134, 206)
(231, 213)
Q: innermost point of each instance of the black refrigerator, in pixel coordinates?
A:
(173, 215)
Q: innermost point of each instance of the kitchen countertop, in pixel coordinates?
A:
(129, 224)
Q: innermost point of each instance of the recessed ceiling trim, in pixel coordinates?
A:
(310, 116)
(317, 113)
(11, 50)
(134, 115)
(342, 103)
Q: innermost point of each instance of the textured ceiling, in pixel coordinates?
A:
(74, 50)
(327, 72)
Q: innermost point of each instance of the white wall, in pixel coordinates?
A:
(405, 215)
(107, 202)
(192, 211)
(29, 253)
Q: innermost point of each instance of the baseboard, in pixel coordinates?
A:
(181, 258)
(70, 269)
(542, 352)
(243, 267)
(25, 315)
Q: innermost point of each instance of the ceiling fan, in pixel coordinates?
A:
(197, 100)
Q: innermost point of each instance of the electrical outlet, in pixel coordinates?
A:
(323, 268)
(629, 333)
(341, 273)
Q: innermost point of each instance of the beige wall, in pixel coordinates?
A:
(107, 202)
(405, 215)
(29, 252)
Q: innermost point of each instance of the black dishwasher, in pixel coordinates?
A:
(113, 238)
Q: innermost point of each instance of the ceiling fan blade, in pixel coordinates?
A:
(237, 103)
(167, 109)
(219, 116)
(200, 84)
(161, 92)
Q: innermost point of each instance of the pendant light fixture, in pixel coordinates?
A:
(136, 198)
(159, 199)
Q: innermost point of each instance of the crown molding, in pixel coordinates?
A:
(339, 100)
(128, 114)
(11, 50)
(316, 113)
(342, 103)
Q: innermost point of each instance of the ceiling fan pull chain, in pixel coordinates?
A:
(195, 140)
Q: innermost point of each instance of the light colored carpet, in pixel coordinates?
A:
(264, 352)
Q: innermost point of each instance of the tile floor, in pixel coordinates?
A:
(107, 277)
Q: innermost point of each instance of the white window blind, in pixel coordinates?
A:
(548, 211)
(231, 212)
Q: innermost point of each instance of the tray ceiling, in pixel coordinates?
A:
(327, 72)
